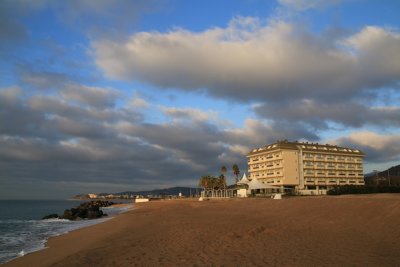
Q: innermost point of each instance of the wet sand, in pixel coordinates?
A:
(362, 230)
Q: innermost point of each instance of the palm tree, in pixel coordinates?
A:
(222, 177)
(223, 170)
(205, 182)
(236, 171)
(222, 183)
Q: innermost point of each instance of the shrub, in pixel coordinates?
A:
(362, 189)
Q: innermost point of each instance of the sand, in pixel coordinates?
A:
(297, 231)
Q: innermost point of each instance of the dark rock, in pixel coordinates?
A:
(68, 215)
(88, 210)
(50, 216)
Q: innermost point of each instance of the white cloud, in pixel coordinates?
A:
(279, 65)
(138, 102)
(92, 96)
(190, 113)
(275, 61)
(378, 147)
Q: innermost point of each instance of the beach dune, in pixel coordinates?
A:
(298, 231)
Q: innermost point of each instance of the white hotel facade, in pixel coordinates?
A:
(308, 168)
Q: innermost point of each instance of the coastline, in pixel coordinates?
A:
(59, 227)
(298, 231)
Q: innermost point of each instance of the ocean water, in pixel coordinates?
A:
(22, 231)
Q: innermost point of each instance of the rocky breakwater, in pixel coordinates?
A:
(88, 210)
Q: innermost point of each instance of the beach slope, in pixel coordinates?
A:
(298, 231)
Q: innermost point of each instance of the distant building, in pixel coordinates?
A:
(307, 168)
(91, 195)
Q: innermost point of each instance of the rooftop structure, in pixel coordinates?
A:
(308, 168)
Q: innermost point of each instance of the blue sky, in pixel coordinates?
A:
(108, 96)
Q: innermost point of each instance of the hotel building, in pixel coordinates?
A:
(308, 168)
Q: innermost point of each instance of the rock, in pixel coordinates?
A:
(50, 216)
(88, 210)
(94, 212)
(68, 215)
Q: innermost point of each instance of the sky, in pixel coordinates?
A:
(110, 96)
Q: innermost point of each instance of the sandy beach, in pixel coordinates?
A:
(358, 230)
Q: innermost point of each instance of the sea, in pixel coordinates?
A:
(22, 230)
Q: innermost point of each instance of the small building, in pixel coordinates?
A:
(254, 187)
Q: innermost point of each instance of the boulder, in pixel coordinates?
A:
(50, 216)
(88, 210)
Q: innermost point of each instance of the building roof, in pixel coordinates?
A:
(306, 147)
(244, 180)
(256, 184)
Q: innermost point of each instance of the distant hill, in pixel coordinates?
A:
(172, 191)
(186, 191)
(389, 176)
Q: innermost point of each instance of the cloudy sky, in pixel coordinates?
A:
(109, 96)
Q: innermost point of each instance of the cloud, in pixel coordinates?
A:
(73, 138)
(102, 18)
(319, 114)
(378, 147)
(92, 96)
(279, 65)
(55, 139)
(12, 31)
(138, 102)
(43, 79)
(191, 114)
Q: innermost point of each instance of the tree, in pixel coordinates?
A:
(223, 170)
(221, 182)
(236, 171)
(205, 181)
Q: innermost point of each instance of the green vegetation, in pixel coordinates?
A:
(361, 189)
(236, 171)
(209, 182)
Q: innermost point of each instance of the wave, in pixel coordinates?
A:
(20, 237)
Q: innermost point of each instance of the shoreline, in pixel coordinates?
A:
(44, 244)
(329, 231)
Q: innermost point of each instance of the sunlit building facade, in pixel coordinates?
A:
(307, 168)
